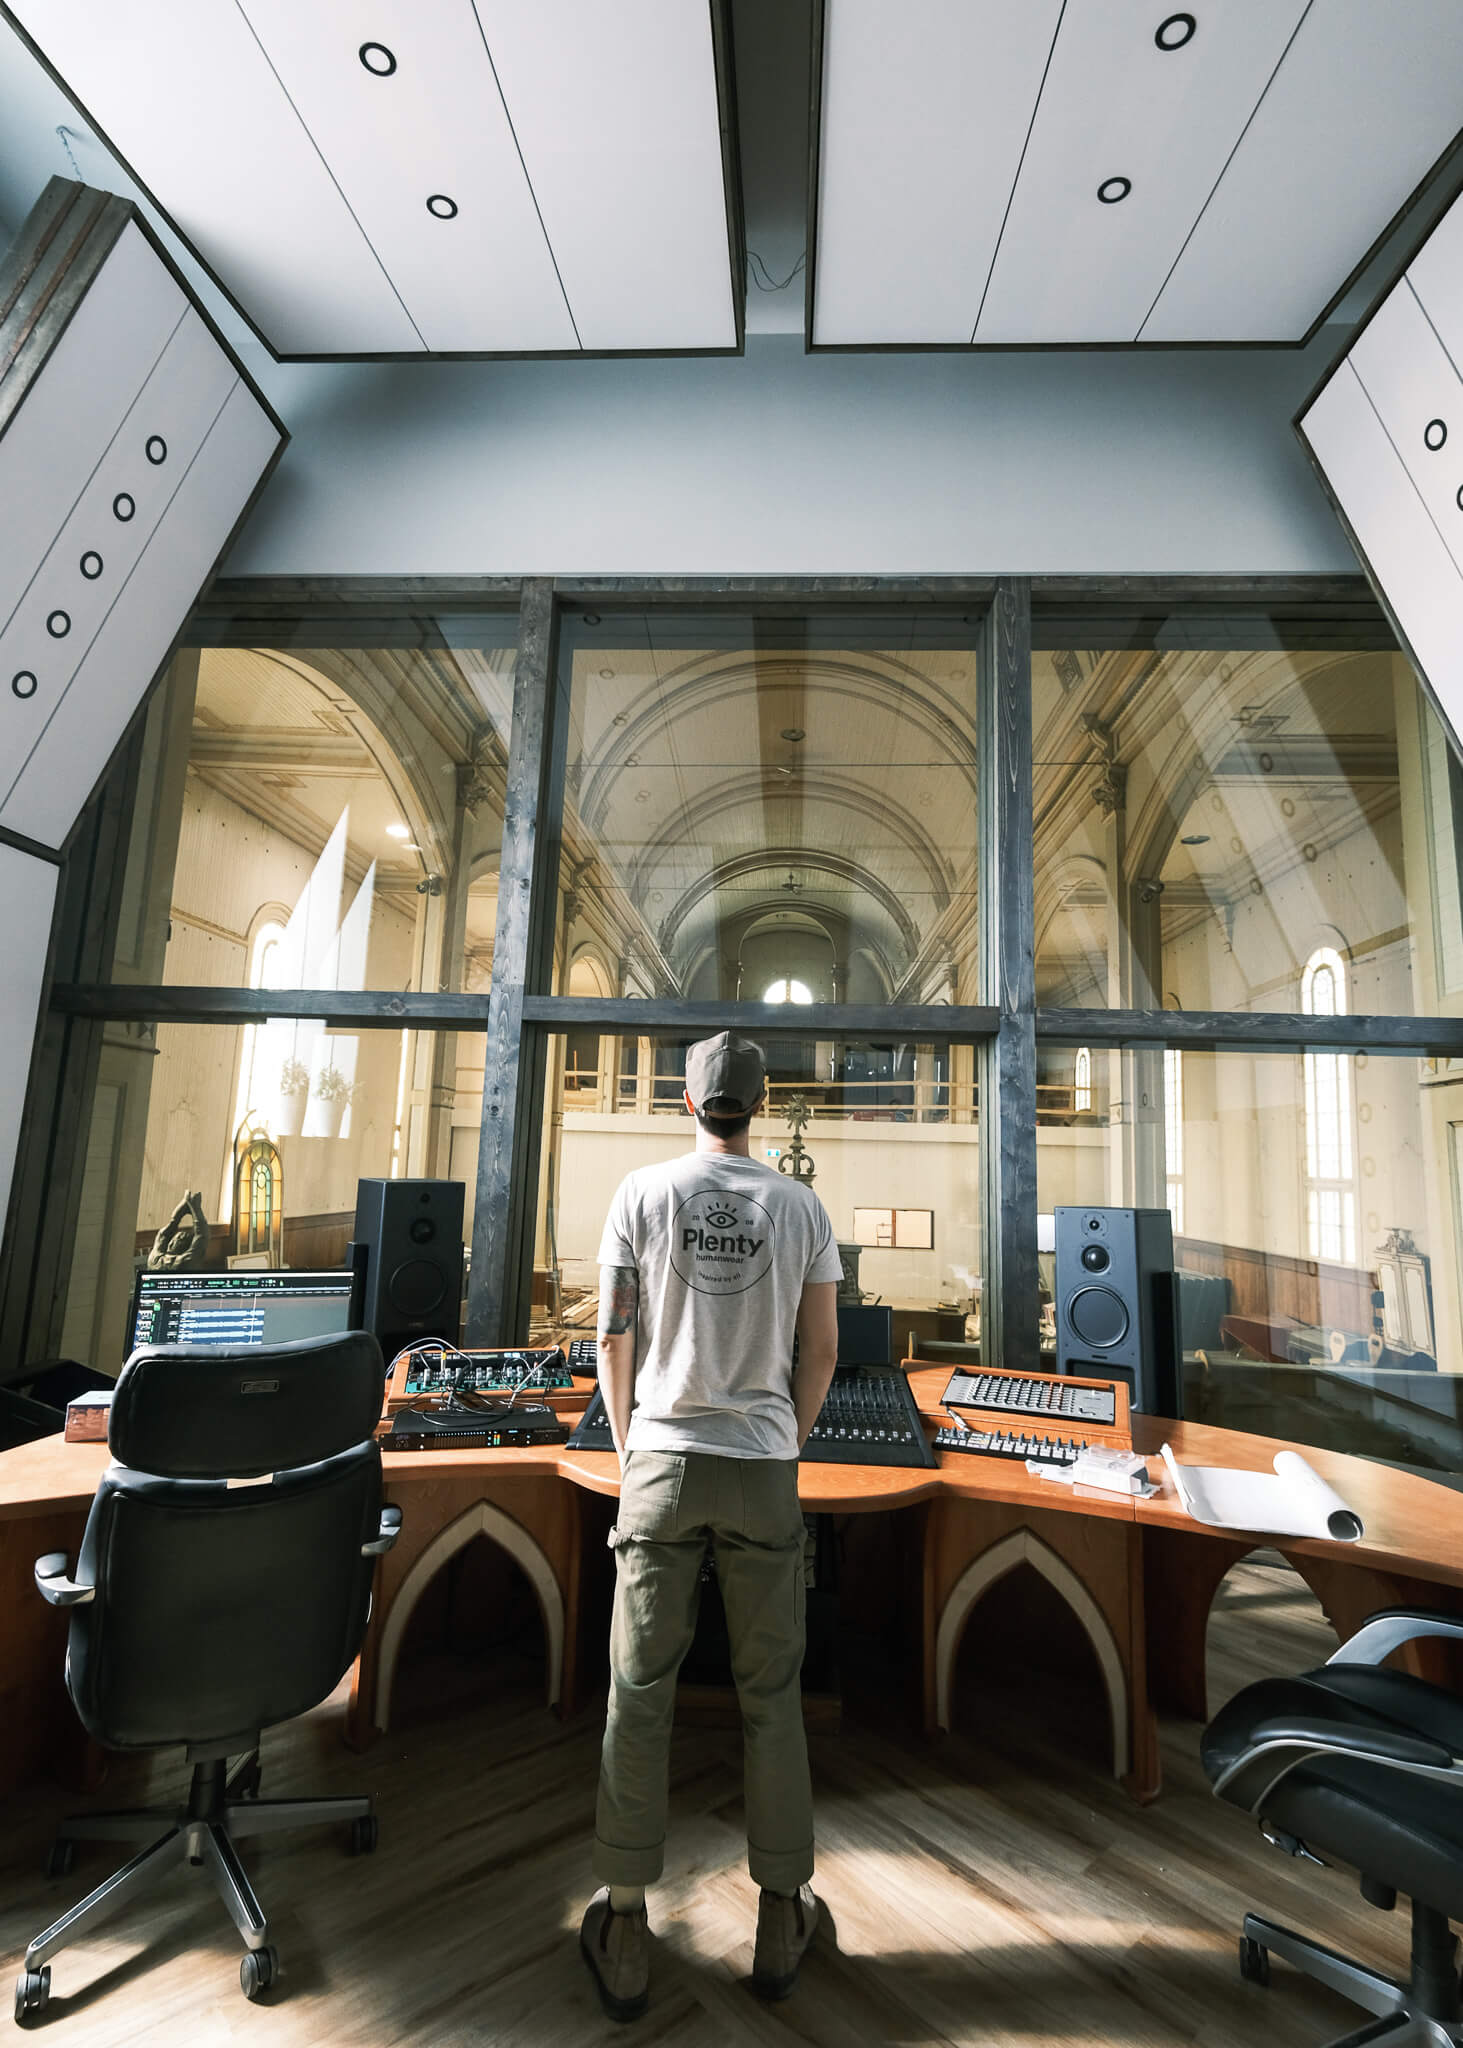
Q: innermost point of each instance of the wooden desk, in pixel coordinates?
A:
(1138, 1575)
(1410, 1556)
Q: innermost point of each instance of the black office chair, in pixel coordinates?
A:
(1363, 1765)
(224, 1584)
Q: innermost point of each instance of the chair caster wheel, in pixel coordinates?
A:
(61, 1857)
(364, 1832)
(258, 1971)
(32, 1993)
(1254, 1961)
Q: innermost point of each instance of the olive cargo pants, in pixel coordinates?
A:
(672, 1504)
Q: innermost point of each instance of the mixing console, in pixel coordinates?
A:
(431, 1369)
(869, 1418)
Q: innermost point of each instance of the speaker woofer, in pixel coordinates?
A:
(1099, 1317)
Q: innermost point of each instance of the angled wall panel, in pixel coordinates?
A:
(27, 903)
(1386, 434)
(131, 446)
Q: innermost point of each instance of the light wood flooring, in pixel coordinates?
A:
(997, 1888)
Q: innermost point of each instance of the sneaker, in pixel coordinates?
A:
(616, 1946)
(785, 1926)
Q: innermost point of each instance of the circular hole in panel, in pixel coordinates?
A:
(1174, 31)
(123, 506)
(377, 59)
(91, 565)
(1434, 434)
(1111, 190)
(156, 450)
(58, 624)
(441, 207)
(23, 682)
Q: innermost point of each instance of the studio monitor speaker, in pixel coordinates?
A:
(1115, 1302)
(408, 1258)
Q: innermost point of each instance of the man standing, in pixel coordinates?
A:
(707, 1266)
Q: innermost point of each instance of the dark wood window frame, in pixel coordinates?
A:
(519, 1019)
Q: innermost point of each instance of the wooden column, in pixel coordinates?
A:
(1007, 1064)
(507, 1178)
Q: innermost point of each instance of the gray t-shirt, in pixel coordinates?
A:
(723, 1247)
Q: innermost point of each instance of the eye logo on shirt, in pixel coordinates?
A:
(720, 1243)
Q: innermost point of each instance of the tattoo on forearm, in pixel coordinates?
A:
(619, 1300)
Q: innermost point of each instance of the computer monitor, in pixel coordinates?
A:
(237, 1308)
(865, 1335)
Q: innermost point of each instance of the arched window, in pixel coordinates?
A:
(263, 956)
(1173, 1134)
(1330, 1172)
(788, 991)
(1082, 1087)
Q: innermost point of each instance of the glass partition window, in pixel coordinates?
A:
(324, 817)
(889, 1130)
(1209, 823)
(193, 1141)
(769, 810)
(1315, 1203)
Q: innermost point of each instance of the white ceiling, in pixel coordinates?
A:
(571, 151)
(1253, 164)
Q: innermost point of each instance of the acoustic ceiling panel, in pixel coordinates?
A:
(1366, 101)
(367, 184)
(912, 186)
(621, 139)
(1386, 433)
(124, 470)
(1112, 172)
(425, 157)
(1129, 139)
(190, 103)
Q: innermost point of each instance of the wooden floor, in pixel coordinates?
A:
(998, 1888)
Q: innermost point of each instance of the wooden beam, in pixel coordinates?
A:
(528, 893)
(1010, 1307)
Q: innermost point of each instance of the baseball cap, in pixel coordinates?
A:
(727, 1072)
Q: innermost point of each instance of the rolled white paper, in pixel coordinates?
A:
(1293, 1500)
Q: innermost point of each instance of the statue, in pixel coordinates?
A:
(797, 1114)
(181, 1246)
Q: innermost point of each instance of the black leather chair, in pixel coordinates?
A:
(1362, 1765)
(223, 1585)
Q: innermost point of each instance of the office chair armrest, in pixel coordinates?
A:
(1278, 1747)
(1381, 1634)
(53, 1585)
(389, 1531)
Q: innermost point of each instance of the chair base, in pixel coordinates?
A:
(1423, 2013)
(202, 1833)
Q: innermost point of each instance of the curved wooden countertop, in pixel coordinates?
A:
(1413, 1525)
